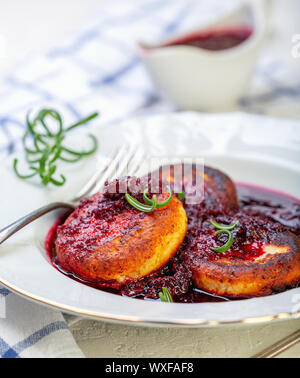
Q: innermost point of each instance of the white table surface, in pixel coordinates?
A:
(33, 26)
(99, 339)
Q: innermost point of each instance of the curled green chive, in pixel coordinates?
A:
(19, 175)
(228, 227)
(227, 245)
(140, 206)
(165, 295)
(84, 153)
(83, 121)
(159, 204)
(180, 195)
(151, 204)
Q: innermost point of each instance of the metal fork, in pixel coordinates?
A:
(121, 159)
(280, 347)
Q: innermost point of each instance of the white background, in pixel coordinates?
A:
(33, 26)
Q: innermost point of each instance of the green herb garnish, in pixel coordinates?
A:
(227, 245)
(140, 206)
(152, 204)
(224, 229)
(165, 295)
(47, 147)
(159, 204)
(228, 227)
(180, 195)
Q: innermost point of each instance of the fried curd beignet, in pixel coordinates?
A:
(108, 242)
(219, 192)
(264, 258)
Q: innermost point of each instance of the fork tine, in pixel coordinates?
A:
(122, 168)
(94, 179)
(137, 159)
(122, 156)
(116, 166)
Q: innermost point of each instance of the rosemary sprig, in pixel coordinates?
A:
(219, 226)
(140, 206)
(47, 148)
(227, 245)
(181, 195)
(165, 295)
(224, 229)
(159, 204)
(152, 204)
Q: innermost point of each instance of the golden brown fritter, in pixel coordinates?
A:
(108, 242)
(219, 190)
(264, 258)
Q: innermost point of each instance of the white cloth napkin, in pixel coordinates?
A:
(99, 70)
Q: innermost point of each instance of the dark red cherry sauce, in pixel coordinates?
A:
(280, 210)
(215, 40)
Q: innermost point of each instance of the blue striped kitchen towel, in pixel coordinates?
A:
(100, 70)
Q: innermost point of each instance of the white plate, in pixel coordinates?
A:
(249, 148)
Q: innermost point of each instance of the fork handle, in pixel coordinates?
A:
(10, 230)
(280, 347)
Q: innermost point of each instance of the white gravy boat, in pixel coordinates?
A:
(198, 79)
